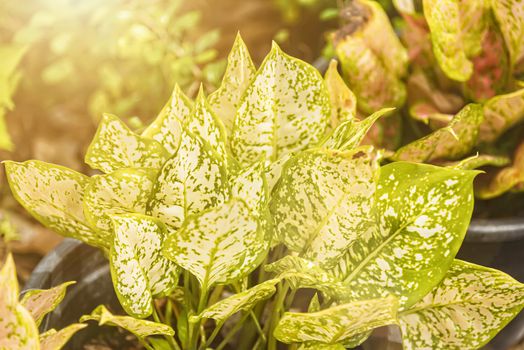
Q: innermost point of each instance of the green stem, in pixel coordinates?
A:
(145, 344)
(232, 332)
(169, 339)
(275, 316)
(212, 337)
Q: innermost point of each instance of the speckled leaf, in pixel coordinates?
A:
(191, 181)
(274, 171)
(491, 185)
(39, 302)
(500, 113)
(510, 17)
(250, 185)
(166, 127)
(285, 108)
(323, 201)
(122, 191)
(319, 346)
(343, 100)
(451, 142)
(224, 309)
(55, 340)
(239, 72)
(140, 328)
(53, 195)
(350, 134)
(220, 245)
(372, 58)
(337, 324)
(468, 308)
(479, 161)
(115, 146)
(17, 328)
(423, 213)
(138, 268)
(205, 123)
(443, 17)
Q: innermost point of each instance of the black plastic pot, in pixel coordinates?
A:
(498, 243)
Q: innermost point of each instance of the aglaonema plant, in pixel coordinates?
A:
(456, 67)
(218, 213)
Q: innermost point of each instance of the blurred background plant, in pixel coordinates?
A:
(65, 62)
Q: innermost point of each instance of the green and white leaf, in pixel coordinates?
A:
(343, 100)
(138, 268)
(422, 216)
(224, 309)
(219, 245)
(193, 180)
(350, 134)
(140, 328)
(18, 330)
(250, 185)
(53, 195)
(122, 191)
(205, 123)
(115, 146)
(443, 18)
(466, 310)
(324, 200)
(274, 171)
(510, 17)
(239, 72)
(451, 142)
(55, 340)
(501, 113)
(39, 302)
(319, 346)
(285, 108)
(337, 324)
(478, 161)
(166, 127)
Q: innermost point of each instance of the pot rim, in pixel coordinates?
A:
(495, 230)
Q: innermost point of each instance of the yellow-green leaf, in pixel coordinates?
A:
(138, 268)
(53, 195)
(166, 127)
(115, 146)
(239, 72)
(501, 113)
(510, 17)
(343, 100)
(285, 108)
(39, 302)
(468, 308)
(55, 340)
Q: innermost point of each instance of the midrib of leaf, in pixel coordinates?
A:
(323, 223)
(375, 252)
(66, 214)
(274, 141)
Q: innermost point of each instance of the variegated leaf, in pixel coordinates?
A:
(140, 328)
(423, 214)
(39, 302)
(191, 181)
(239, 72)
(205, 123)
(478, 161)
(122, 191)
(443, 18)
(343, 100)
(372, 58)
(53, 195)
(55, 340)
(319, 346)
(451, 142)
(138, 268)
(491, 185)
(166, 127)
(285, 108)
(219, 245)
(337, 324)
(250, 185)
(302, 273)
(501, 113)
(350, 134)
(115, 146)
(510, 17)
(17, 328)
(324, 200)
(468, 308)
(224, 309)
(274, 171)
